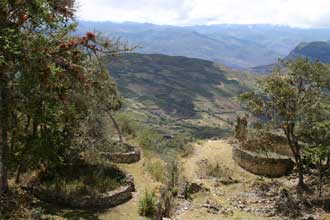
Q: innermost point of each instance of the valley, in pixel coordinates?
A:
(176, 94)
(190, 118)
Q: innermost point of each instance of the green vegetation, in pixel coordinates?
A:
(153, 140)
(158, 170)
(218, 171)
(150, 139)
(127, 124)
(162, 153)
(54, 93)
(147, 205)
(296, 102)
(60, 111)
(82, 180)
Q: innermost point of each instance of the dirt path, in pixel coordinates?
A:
(218, 152)
(129, 210)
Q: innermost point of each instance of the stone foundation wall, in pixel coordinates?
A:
(271, 167)
(103, 201)
(268, 142)
(253, 146)
(127, 157)
(108, 200)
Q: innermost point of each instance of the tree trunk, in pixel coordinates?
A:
(117, 128)
(295, 148)
(18, 173)
(320, 178)
(4, 120)
(301, 183)
(3, 163)
(300, 167)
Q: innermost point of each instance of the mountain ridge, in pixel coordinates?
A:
(237, 46)
(313, 51)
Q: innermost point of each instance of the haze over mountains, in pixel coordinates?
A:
(237, 46)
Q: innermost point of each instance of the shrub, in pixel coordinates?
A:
(181, 143)
(173, 176)
(147, 205)
(37, 213)
(215, 171)
(149, 139)
(127, 125)
(157, 170)
(187, 150)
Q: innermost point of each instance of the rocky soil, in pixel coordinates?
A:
(237, 194)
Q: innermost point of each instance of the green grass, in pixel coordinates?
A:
(147, 205)
(86, 180)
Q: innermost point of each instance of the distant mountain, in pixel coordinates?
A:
(314, 51)
(237, 46)
(172, 92)
(265, 69)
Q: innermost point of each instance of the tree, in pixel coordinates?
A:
(316, 134)
(286, 99)
(48, 77)
(17, 20)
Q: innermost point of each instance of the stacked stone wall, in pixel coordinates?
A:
(259, 165)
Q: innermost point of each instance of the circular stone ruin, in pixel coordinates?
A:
(103, 200)
(266, 158)
(124, 153)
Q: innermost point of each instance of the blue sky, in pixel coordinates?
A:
(297, 13)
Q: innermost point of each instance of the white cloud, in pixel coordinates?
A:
(301, 13)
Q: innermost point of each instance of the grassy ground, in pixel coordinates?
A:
(142, 181)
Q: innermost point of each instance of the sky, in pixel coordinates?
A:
(295, 13)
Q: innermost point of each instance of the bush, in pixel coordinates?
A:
(149, 139)
(181, 143)
(158, 170)
(187, 150)
(127, 125)
(173, 176)
(147, 205)
(215, 171)
(152, 140)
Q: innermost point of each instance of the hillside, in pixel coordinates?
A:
(237, 46)
(176, 93)
(314, 51)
